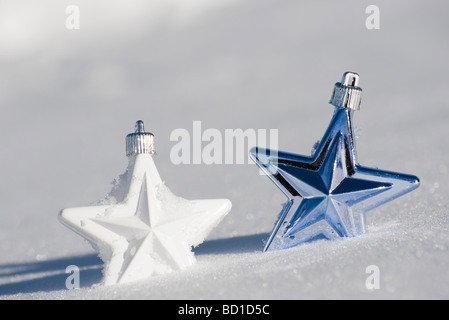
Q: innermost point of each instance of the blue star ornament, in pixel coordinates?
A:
(329, 192)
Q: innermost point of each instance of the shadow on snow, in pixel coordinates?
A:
(50, 275)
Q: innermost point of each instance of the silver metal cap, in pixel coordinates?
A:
(347, 93)
(140, 142)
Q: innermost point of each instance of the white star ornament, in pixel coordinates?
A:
(148, 230)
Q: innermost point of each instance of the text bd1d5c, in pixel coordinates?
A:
(225, 309)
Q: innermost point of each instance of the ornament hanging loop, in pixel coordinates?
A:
(347, 93)
(140, 127)
(140, 142)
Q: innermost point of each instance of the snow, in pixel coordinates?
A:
(69, 97)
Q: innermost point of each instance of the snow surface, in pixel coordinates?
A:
(69, 97)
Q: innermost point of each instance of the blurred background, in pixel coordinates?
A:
(69, 97)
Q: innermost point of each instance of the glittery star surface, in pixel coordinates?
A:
(329, 192)
(151, 231)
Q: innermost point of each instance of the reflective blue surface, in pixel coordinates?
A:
(329, 192)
